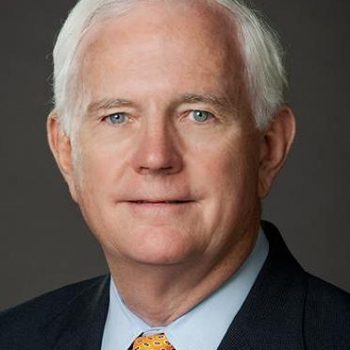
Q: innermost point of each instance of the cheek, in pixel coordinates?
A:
(93, 178)
(229, 172)
(230, 164)
(96, 185)
(98, 164)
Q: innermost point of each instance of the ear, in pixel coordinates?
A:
(276, 143)
(61, 149)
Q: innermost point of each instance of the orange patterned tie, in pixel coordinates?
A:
(152, 342)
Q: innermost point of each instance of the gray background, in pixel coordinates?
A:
(44, 242)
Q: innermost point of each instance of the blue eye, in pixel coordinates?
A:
(117, 118)
(201, 116)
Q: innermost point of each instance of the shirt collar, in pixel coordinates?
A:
(211, 317)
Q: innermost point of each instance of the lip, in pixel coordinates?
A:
(160, 202)
(157, 207)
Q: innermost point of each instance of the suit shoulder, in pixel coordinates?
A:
(29, 318)
(327, 315)
(50, 302)
(320, 288)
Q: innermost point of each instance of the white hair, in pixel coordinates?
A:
(264, 73)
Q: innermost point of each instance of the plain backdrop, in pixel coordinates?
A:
(44, 243)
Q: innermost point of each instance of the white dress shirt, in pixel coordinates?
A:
(204, 326)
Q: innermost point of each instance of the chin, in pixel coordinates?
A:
(159, 246)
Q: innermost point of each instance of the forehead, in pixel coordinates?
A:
(160, 41)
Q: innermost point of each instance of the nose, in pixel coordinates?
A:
(157, 151)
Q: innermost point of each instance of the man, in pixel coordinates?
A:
(169, 127)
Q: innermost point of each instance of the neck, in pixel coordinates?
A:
(161, 294)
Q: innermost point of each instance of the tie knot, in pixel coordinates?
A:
(152, 342)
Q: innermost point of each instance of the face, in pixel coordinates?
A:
(168, 162)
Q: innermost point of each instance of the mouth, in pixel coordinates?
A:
(159, 202)
(157, 208)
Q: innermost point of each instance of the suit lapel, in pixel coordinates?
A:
(80, 326)
(272, 315)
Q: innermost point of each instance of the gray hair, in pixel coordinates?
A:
(264, 73)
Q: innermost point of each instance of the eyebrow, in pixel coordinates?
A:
(108, 103)
(211, 99)
(222, 103)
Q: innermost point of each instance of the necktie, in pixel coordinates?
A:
(152, 342)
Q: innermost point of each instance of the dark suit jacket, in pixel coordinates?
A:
(286, 309)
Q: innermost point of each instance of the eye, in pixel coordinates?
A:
(117, 118)
(201, 116)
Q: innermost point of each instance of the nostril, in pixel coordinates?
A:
(154, 170)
